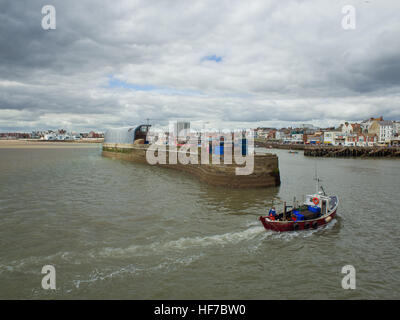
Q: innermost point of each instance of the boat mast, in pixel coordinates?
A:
(317, 185)
(284, 211)
(317, 179)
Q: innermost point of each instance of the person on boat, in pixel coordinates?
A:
(272, 213)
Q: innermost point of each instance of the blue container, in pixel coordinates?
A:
(314, 209)
(299, 216)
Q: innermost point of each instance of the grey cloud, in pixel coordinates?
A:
(281, 61)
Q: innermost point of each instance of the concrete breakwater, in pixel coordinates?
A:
(341, 151)
(265, 173)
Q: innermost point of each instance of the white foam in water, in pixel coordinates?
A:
(172, 264)
(302, 233)
(97, 275)
(29, 265)
(187, 243)
(254, 230)
(167, 266)
(223, 239)
(253, 223)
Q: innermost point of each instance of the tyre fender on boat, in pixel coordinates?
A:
(306, 225)
(295, 226)
(315, 225)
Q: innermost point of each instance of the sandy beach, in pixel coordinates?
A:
(37, 144)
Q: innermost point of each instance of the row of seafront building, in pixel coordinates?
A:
(51, 135)
(371, 132)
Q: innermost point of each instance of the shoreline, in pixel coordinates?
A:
(42, 144)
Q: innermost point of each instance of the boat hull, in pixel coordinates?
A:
(282, 226)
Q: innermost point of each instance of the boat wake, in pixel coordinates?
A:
(254, 234)
(133, 270)
(185, 243)
(254, 231)
(172, 255)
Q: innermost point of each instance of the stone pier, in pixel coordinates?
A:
(265, 174)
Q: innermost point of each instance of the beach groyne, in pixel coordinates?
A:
(265, 173)
(344, 151)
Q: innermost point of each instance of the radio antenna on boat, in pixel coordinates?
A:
(317, 179)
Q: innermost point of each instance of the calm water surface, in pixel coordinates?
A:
(114, 229)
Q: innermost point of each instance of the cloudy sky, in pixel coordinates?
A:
(230, 63)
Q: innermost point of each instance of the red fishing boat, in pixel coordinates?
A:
(317, 210)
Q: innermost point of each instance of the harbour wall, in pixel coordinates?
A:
(265, 173)
(362, 152)
(275, 145)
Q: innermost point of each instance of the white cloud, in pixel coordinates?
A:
(281, 62)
